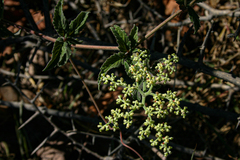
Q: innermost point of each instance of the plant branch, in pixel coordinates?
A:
(84, 46)
(94, 102)
(129, 146)
(51, 39)
(163, 23)
(202, 48)
(159, 26)
(51, 112)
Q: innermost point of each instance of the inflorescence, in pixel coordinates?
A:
(144, 82)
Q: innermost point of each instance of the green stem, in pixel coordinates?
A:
(144, 86)
(144, 106)
(151, 94)
(149, 91)
(141, 92)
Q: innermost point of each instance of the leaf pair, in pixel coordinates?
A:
(61, 25)
(60, 54)
(126, 44)
(62, 47)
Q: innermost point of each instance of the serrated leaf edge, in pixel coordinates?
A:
(75, 27)
(122, 38)
(65, 54)
(133, 36)
(59, 21)
(57, 49)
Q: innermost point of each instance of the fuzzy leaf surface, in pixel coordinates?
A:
(133, 37)
(194, 18)
(65, 54)
(78, 23)
(113, 61)
(136, 94)
(59, 21)
(56, 53)
(126, 67)
(122, 38)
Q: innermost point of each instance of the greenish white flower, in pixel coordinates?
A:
(144, 82)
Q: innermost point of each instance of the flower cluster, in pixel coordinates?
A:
(144, 81)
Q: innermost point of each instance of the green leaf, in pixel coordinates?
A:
(136, 95)
(63, 60)
(126, 66)
(113, 61)
(133, 37)
(59, 21)
(78, 23)
(65, 54)
(56, 53)
(194, 18)
(122, 38)
(4, 32)
(1, 9)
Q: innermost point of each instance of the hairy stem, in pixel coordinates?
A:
(85, 46)
(81, 46)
